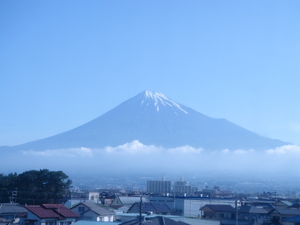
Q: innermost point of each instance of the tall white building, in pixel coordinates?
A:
(162, 187)
(183, 188)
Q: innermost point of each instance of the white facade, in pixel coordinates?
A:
(190, 207)
(96, 213)
(94, 196)
(159, 186)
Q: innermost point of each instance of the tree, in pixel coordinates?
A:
(7, 184)
(38, 186)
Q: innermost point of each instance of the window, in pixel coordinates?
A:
(80, 209)
(8, 217)
(50, 222)
(29, 222)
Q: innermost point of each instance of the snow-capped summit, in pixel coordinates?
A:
(159, 99)
(154, 119)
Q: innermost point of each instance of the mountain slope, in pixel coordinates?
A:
(154, 119)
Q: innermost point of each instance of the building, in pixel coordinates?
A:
(127, 201)
(11, 212)
(94, 196)
(92, 211)
(158, 220)
(278, 214)
(189, 206)
(218, 212)
(150, 208)
(49, 214)
(291, 220)
(183, 188)
(161, 187)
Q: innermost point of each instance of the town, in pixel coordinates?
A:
(161, 202)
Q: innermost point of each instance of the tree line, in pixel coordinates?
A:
(34, 187)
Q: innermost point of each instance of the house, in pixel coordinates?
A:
(260, 203)
(218, 212)
(253, 215)
(282, 204)
(85, 222)
(107, 197)
(158, 220)
(49, 214)
(11, 212)
(94, 196)
(189, 206)
(291, 221)
(93, 211)
(147, 207)
(127, 201)
(278, 214)
(245, 215)
(295, 206)
(76, 197)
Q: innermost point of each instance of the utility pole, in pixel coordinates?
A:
(141, 201)
(236, 212)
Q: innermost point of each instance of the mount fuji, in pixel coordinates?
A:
(154, 119)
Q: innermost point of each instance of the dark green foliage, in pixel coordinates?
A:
(34, 187)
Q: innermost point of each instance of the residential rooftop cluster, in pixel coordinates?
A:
(163, 203)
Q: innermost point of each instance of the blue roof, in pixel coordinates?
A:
(295, 219)
(149, 207)
(88, 222)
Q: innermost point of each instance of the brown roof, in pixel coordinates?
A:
(61, 210)
(41, 212)
(57, 211)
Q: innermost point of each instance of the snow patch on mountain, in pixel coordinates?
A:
(161, 99)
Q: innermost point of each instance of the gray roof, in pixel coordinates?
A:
(158, 220)
(131, 200)
(295, 219)
(99, 209)
(12, 208)
(286, 211)
(89, 222)
(73, 202)
(220, 208)
(149, 207)
(190, 221)
(253, 210)
(287, 203)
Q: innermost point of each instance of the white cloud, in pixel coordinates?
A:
(185, 149)
(286, 149)
(137, 147)
(134, 147)
(69, 152)
(137, 156)
(240, 151)
(225, 151)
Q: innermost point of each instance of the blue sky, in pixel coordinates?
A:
(64, 63)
